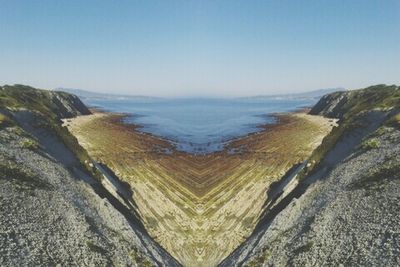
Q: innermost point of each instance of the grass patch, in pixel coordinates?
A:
(5, 121)
(50, 110)
(260, 259)
(139, 259)
(369, 144)
(381, 131)
(394, 121)
(350, 112)
(29, 144)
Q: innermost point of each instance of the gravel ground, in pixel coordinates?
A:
(349, 218)
(48, 217)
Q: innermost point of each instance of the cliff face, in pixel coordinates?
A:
(345, 209)
(348, 104)
(50, 103)
(330, 105)
(53, 207)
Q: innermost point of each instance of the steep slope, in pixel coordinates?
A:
(345, 209)
(50, 103)
(54, 208)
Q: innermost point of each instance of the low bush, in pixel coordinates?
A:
(139, 259)
(29, 144)
(4, 121)
(394, 121)
(370, 144)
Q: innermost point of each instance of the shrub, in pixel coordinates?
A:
(370, 144)
(394, 121)
(140, 259)
(4, 121)
(29, 144)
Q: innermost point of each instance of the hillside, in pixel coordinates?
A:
(54, 207)
(280, 197)
(344, 211)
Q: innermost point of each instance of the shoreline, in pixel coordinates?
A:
(279, 117)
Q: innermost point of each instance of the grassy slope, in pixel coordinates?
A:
(50, 110)
(358, 102)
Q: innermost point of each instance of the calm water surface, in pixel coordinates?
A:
(199, 125)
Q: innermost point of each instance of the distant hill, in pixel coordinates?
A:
(88, 94)
(84, 94)
(304, 95)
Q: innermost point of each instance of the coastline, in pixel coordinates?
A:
(118, 118)
(183, 198)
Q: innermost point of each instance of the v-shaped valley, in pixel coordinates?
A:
(200, 207)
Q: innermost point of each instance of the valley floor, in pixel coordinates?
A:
(200, 207)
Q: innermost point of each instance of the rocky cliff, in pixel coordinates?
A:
(54, 210)
(344, 211)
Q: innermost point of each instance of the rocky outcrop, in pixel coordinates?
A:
(67, 105)
(350, 103)
(330, 105)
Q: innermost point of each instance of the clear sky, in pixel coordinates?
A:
(199, 48)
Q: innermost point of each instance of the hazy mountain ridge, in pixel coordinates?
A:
(308, 94)
(89, 94)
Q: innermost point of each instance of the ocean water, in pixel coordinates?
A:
(199, 125)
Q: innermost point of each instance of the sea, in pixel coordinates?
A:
(199, 125)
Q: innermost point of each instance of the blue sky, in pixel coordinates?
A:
(200, 48)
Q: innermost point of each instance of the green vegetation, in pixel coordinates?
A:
(29, 144)
(370, 144)
(260, 259)
(381, 131)
(21, 96)
(139, 259)
(358, 102)
(394, 121)
(49, 111)
(42, 101)
(4, 121)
